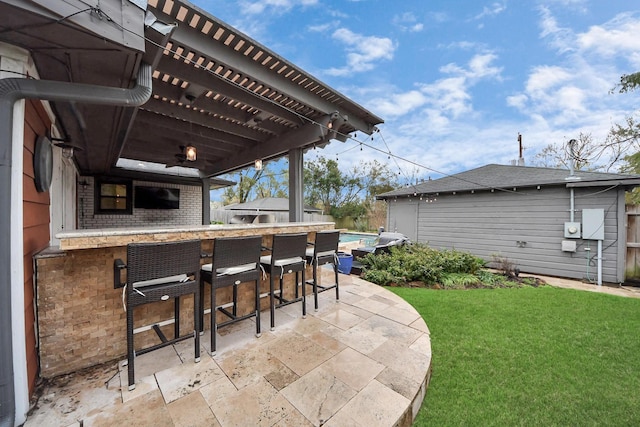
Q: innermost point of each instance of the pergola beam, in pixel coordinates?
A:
(192, 40)
(217, 84)
(302, 137)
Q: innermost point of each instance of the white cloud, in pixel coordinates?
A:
(320, 28)
(408, 22)
(401, 103)
(363, 52)
(618, 37)
(279, 6)
(479, 67)
(496, 8)
(588, 69)
(462, 45)
(560, 38)
(445, 99)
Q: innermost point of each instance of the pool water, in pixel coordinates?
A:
(367, 239)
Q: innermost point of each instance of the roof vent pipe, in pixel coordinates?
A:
(12, 90)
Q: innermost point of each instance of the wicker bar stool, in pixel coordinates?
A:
(235, 260)
(158, 272)
(287, 256)
(324, 251)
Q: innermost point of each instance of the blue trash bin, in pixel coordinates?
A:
(345, 262)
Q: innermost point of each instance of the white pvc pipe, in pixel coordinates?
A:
(572, 206)
(599, 262)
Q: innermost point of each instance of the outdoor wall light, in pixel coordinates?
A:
(67, 148)
(190, 153)
(258, 164)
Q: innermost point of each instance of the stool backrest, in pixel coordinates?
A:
(289, 246)
(148, 261)
(234, 251)
(326, 241)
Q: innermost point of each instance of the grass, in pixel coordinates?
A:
(530, 357)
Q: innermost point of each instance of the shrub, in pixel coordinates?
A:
(459, 280)
(505, 265)
(419, 262)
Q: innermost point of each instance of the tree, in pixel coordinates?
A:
(628, 83)
(252, 184)
(627, 136)
(348, 193)
(586, 154)
(326, 187)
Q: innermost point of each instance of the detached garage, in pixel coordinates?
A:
(545, 221)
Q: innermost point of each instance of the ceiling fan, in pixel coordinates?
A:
(186, 157)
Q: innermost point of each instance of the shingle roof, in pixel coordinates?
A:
(503, 176)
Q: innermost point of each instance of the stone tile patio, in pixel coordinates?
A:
(363, 361)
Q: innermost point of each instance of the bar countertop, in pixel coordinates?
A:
(114, 237)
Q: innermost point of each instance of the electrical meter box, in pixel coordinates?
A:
(572, 230)
(593, 224)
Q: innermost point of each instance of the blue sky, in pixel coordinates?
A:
(456, 81)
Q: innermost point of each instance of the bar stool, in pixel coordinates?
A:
(287, 256)
(235, 260)
(324, 251)
(158, 272)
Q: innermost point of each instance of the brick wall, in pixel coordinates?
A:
(190, 212)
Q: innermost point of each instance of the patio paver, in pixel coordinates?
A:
(363, 361)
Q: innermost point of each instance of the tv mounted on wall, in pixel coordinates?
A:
(156, 198)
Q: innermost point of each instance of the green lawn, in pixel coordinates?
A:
(531, 357)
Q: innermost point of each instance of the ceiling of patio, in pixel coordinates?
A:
(213, 87)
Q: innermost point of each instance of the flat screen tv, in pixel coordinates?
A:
(156, 198)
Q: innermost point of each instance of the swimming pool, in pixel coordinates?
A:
(366, 239)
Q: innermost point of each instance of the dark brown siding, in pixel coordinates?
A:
(35, 228)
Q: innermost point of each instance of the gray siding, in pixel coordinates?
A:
(486, 223)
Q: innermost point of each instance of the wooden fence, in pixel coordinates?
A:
(632, 268)
(224, 216)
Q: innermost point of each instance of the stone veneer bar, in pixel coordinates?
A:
(81, 320)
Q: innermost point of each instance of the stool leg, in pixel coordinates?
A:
(201, 307)
(335, 272)
(130, 349)
(214, 326)
(176, 311)
(281, 295)
(196, 324)
(304, 294)
(235, 301)
(258, 333)
(272, 301)
(315, 282)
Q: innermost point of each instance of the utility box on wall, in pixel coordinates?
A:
(572, 230)
(569, 246)
(593, 224)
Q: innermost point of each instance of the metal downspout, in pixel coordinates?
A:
(12, 90)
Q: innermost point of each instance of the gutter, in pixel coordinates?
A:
(12, 90)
